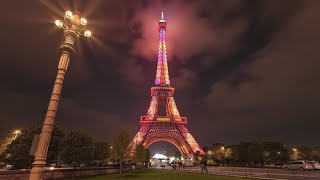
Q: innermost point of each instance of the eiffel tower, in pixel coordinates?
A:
(172, 127)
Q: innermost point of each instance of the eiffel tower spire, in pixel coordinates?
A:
(162, 74)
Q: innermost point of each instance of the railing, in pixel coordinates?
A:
(64, 173)
(182, 120)
(260, 173)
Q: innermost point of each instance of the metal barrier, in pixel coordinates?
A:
(257, 173)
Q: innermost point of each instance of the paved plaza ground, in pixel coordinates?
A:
(150, 174)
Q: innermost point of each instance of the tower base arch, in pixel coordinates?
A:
(175, 133)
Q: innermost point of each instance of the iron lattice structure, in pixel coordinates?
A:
(172, 127)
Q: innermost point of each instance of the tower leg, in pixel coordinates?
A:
(153, 108)
(173, 107)
(138, 138)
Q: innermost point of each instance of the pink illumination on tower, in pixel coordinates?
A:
(162, 75)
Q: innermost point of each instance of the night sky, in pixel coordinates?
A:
(242, 69)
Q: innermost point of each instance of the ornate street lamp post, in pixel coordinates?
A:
(74, 26)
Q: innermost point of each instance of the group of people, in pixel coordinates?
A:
(203, 166)
(177, 165)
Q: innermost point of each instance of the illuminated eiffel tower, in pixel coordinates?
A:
(172, 127)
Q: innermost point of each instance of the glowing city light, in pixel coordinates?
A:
(294, 150)
(16, 133)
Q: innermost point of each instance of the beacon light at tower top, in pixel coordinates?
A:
(162, 19)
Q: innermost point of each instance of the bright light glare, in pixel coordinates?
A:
(16, 133)
(69, 14)
(87, 33)
(83, 21)
(51, 168)
(59, 23)
(160, 156)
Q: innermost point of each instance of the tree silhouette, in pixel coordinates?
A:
(120, 147)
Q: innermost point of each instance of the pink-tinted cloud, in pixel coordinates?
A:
(185, 79)
(188, 34)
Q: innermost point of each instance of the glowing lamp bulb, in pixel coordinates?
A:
(69, 14)
(83, 21)
(59, 23)
(87, 33)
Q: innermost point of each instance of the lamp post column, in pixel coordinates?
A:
(44, 139)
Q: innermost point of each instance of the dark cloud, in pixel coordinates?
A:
(242, 69)
(282, 95)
